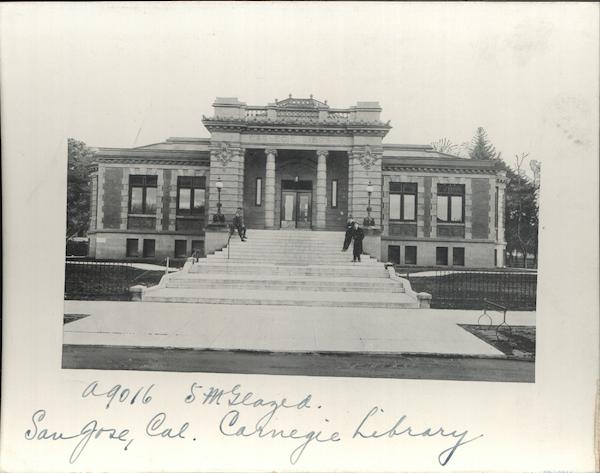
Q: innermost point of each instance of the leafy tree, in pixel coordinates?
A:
(481, 147)
(80, 157)
(521, 211)
(521, 206)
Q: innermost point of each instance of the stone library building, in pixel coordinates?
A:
(297, 165)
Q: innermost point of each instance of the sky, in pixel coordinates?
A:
(125, 75)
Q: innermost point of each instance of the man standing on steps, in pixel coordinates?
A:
(358, 235)
(238, 224)
(349, 230)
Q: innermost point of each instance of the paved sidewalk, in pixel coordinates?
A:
(279, 328)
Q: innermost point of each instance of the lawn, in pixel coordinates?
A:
(466, 290)
(517, 342)
(106, 281)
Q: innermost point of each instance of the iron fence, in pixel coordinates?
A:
(94, 280)
(468, 289)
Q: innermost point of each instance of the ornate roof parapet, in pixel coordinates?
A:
(309, 116)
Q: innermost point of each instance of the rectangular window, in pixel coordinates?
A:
(191, 195)
(408, 207)
(394, 254)
(441, 256)
(199, 200)
(403, 201)
(395, 207)
(142, 194)
(334, 193)
(456, 208)
(149, 248)
(185, 199)
(132, 247)
(496, 213)
(451, 203)
(258, 192)
(458, 256)
(180, 248)
(410, 255)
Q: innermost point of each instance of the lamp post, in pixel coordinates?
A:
(369, 221)
(219, 217)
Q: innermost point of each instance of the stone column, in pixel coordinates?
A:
(321, 194)
(501, 241)
(270, 188)
(365, 167)
(226, 163)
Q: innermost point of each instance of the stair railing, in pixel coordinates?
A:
(231, 230)
(166, 261)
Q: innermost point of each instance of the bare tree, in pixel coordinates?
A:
(444, 145)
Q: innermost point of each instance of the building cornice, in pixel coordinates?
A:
(436, 169)
(152, 156)
(202, 162)
(303, 126)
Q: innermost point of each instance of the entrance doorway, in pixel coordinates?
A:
(296, 204)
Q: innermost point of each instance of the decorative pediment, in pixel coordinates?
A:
(309, 103)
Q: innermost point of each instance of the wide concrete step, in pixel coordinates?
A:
(294, 233)
(273, 297)
(246, 245)
(351, 270)
(289, 257)
(282, 250)
(372, 285)
(307, 239)
(307, 260)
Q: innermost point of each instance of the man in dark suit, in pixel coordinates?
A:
(238, 224)
(357, 235)
(349, 231)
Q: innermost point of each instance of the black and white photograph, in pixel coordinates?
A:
(306, 234)
(293, 239)
(356, 213)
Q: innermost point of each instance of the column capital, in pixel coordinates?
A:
(272, 151)
(322, 152)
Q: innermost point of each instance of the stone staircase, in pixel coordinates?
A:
(279, 267)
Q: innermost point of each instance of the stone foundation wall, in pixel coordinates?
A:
(108, 245)
(477, 254)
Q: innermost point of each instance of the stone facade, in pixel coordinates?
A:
(298, 163)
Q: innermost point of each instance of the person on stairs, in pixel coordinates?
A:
(238, 224)
(357, 235)
(349, 230)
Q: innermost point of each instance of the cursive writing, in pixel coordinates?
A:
(120, 393)
(235, 397)
(89, 431)
(155, 428)
(399, 429)
(230, 427)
